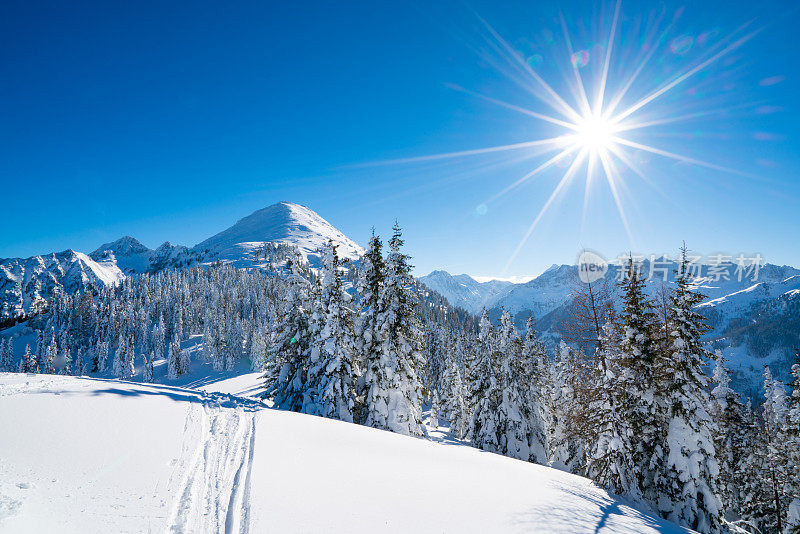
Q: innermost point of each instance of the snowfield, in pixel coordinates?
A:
(97, 455)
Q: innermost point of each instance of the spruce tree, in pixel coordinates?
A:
(639, 356)
(434, 418)
(51, 353)
(730, 438)
(485, 390)
(793, 446)
(330, 373)
(28, 363)
(401, 343)
(687, 471)
(610, 458)
(453, 399)
(514, 413)
(286, 367)
(772, 454)
(534, 373)
(147, 374)
(6, 360)
(369, 341)
(174, 359)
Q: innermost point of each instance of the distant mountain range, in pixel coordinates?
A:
(756, 323)
(27, 283)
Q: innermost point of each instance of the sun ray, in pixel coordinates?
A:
(513, 107)
(640, 67)
(555, 159)
(565, 108)
(580, 89)
(598, 105)
(612, 184)
(678, 157)
(474, 152)
(588, 187)
(564, 181)
(682, 77)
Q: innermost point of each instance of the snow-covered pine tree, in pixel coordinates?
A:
(102, 356)
(51, 353)
(610, 456)
(793, 446)
(686, 482)
(40, 349)
(434, 418)
(184, 357)
(6, 360)
(258, 349)
(79, 368)
(66, 362)
(570, 382)
(514, 413)
(287, 364)
(755, 470)
(233, 343)
(453, 399)
(123, 358)
(485, 390)
(147, 374)
(730, 439)
(772, 459)
(174, 359)
(534, 369)
(401, 343)
(28, 363)
(374, 379)
(639, 356)
(330, 374)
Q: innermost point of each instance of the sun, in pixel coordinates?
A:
(600, 125)
(594, 133)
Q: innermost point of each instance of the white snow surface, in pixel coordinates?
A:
(97, 455)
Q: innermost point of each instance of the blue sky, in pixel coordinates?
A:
(170, 122)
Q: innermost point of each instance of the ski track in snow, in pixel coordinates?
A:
(211, 479)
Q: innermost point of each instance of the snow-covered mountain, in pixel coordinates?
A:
(284, 222)
(753, 321)
(132, 257)
(27, 283)
(464, 291)
(131, 457)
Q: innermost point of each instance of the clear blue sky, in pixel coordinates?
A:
(170, 121)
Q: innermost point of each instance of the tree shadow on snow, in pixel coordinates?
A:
(138, 389)
(595, 513)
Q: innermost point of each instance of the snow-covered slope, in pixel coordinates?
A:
(93, 455)
(27, 283)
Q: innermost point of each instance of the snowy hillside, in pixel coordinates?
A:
(95, 455)
(27, 283)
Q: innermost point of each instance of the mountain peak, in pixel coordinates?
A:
(283, 222)
(124, 246)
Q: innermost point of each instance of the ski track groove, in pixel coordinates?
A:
(213, 494)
